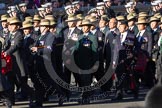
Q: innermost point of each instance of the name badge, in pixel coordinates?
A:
(42, 43)
(12, 42)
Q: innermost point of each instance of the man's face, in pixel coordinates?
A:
(43, 29)
(102, 23)
(141, 27)
(108, 3)
(101, 12)
(112, 23)
(13, 28)
(49, 9)
(131, 23)
(36, 23)
(86, 29)
(27, 31)
(4, 24)
(122, 28)
(153, 24)
(71, 24)
(23, 8)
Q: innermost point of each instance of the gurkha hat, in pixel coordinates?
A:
(80, 17)
(52, 22)
(143, 14)
(93, 19)
(157, 15)
(120, 18)
(14, 20)
(27, 24)
(44, 22)
(161, 20)
(4, 17)
(86, 22)
(142, 21)
(105, 18)
(154, 19)
(49, 17)
(124, 23)
(68, 7)
(22, 4)
(71, 18)
(36, 18)
(29, 18)
(130, 17)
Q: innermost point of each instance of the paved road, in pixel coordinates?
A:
(102, 100)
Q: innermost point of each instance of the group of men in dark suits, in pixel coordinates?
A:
(87, 46)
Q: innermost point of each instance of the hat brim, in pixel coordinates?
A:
(71, 20)
(14, 23)
(86, 25)
(153, 20)
(3, 20)
(142, 23)
(26, 27)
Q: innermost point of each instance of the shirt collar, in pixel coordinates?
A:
(94, 31)
(113, 29)
(141, 32)
(26, 36)
(124, 35)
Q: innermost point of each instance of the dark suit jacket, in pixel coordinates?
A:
(134, 30)
(100, 39)
(145, 43)
(120, 49)
(17, 53)
(69, 43)
(27, 44)
(109, 46)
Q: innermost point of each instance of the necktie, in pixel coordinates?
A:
(69, 33)
(139, 37)
(121, 37)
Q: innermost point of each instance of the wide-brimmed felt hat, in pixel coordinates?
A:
(86, 22)
(154, 19)
(80, 17)
(4, 17)
(27, 24)
(120, 18)
(71, 18)
(105, 18)
(52, 22)
(29, 18)
(44, 22)
(143, 14)
(142, 21)
(14, 20)
(36, 18)
(49, 17)
(158, 15)
(93, 19)
(130, 17)
(160, 20)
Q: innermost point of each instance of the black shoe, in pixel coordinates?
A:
(85, 101)
(35, 105)
(61, 100)
(119, 96)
